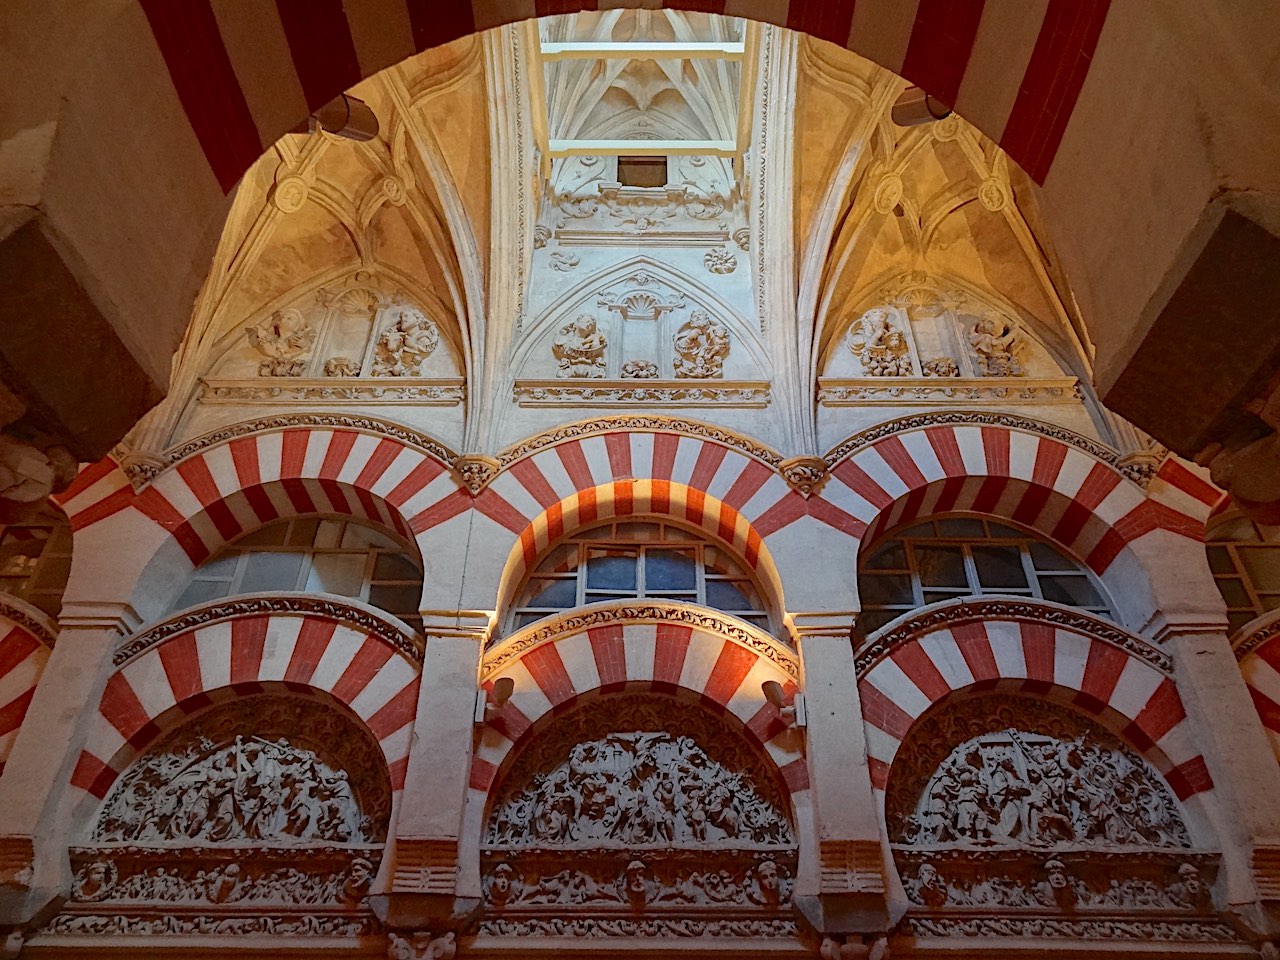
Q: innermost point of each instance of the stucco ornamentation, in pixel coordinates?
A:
(940, 367)
(579, 348)
(880, 345)
(476, 471)
(998, 346)
(719, 261)
(643, 393)
(805, 475)
(284, 339)
(563, 262)
(403, 346)
(701, 347)
(341, 367)
(640, 370)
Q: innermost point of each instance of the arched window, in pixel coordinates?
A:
(35, 559)
(950, 557)
(1246, 568)
(638, 559)
(315, 555)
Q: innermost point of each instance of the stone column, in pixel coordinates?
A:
(1246, 777)
(36, 819)
(421, 889)
(842, 889)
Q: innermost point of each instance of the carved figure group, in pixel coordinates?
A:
(284, 340)
(403, 346)
(879, 345)
(997, 345)
(216, 883)
(701, 347)
(579, 348)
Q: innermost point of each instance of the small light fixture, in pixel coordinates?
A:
(914, 107)
(791, 713)
(490, 702)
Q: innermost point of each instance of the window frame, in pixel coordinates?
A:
(1225, 536)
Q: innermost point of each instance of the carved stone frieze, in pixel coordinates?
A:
(934, 388)
(447, 392)
(262, 770)
(284, 340)
(646, 393)
(638, 422)
(622, 612)
(476, 471)
(1073, 929)
(998, 346)
(579, 349)
(593, 928)
(149, 924)
(1001, 771)
(719, 261)
(700, 347)
(805, 475)
(144, 469)
(880, 345)
(1256, 639)
(404, 345)
(979, 609)
(257, 606)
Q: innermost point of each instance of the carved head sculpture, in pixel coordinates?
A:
(1057, 872)
(635, 881)
(500, 886)
(770, 880)
(1192, 884)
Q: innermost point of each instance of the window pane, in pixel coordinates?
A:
(1076, 591)
(638, 531)
(941, 566)
(268, 570)
(562, 559)
(890, 556)
(219, 568)
(719, 562)
(1000, 531)
(399, 599)
(394, 566)
(1234, 593)
(328, 533)
(611, 570)
(1238, 618)
(669, 570)
(560, 594)
(1045, 557)
(727, 595)
(1219, 560)
(357, 535)
(919, 530)
(880, 588)
(340, 573)
(963, 527)
(201, 591)
(999, 567)
(524, 619)
(1263, 566)
(271, 536)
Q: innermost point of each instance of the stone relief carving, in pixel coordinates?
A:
(403, 346)
(563, 262)
(657, 821)
(284, 339)
(591, 928)
(440, 393)
(701, 346)
(476, 471)
(998, 346)
(639, 302)
(1050, 928)
(880, 345)
(266, 769)
(940, 367)
(421, 945)
(221, 925)
(341, 367)
(541, 236)
(640, 370)
(614, 393)
(999, 784)
(719, 261)
(579, 348)
(805, 475)
(742, 237)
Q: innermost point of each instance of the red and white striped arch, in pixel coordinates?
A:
(1052, 487)
(1261, 671)
(228, 489)
(716, 671)
(190, 670)
(24, 652)
(1039, 658)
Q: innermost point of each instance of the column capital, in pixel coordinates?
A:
(1165, 627)
(821, 623)
(111, 615)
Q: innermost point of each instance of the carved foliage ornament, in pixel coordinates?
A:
(264, 770)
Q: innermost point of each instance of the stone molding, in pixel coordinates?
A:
(623, 612)
(425, 865)
(32, 619)
(418, 391)
(1257, 634)
(929, 391)
(142, 470)
(642, 393)
(1059, 929)
(952, 613)
(250, 605)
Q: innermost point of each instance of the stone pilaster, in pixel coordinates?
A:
(1239, 760)
(36, 819)
(421, 890)
(842, 889)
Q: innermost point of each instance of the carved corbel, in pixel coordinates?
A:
(421, 945)
(805, 475)
(854, 948)
(476, 471)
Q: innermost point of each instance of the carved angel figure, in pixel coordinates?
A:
(284, 340)
(579, 347)
(701, 347)
(880, 346)
(998, 344)
(405, 344)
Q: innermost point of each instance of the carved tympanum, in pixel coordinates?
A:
(1014, 773)
(656, 820)
(263, 770)
(701, 347)
(404, 345)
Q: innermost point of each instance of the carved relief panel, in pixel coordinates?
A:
(665, 813)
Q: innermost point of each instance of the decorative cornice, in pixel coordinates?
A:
(640, 422)
(32, 619)
(638, 611)
(981, 418)
(257, 605)
(417, 391)
(913, 391)
(141, 470)
(952, 613)
(642, 393)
